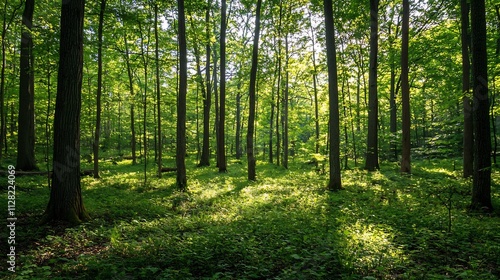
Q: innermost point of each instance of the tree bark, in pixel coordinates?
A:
(285, 107)
(97, 133)
(405, 92)
(181, 101)
(481, 190)
(26, 116)
(132, 95)
(371, 163)
(251, 93)
(205, 151)
(66, 201)
(158, 95)
(221, 147)
(333, 126)
(315, 87)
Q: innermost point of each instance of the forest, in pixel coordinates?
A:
(237, 139)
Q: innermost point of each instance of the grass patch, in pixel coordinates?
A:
(283, 226)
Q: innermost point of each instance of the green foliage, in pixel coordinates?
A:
(284, 226)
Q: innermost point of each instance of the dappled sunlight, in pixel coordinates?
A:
(369, 248)
(285, 225)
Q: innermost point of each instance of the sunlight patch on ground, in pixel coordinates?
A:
(369, 247)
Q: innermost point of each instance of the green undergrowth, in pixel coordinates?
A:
(286, 225)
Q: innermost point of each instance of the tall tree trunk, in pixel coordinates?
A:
(144, 55)
(271, 118)
(333, 125)
(481, 190)
(405, 92)
(221, 147)
(132, 95)
(285, 105)
(371, 163)
(251, 93)
(468, 142)
(26, 116)
(217, 113)
(315, 87)
(181, 101)
(158, 94)
(205, 151)
(3, 119)
(238, 123)
(278, 96)
(66, 201)
(97, 133)
(344, 122)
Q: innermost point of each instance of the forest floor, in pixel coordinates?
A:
(286, 225)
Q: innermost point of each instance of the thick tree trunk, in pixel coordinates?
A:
(181, 101)
(205, 151)
(468, 142)
(333, 125)
(97, 133)
(481, 190)
(26, 117)
(251, 93)
(371, 163)
(405, 92)
(65, 196)
(221, 147)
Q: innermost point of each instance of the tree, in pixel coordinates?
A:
(97, 133)
(66, 201)
(26, 119)
(181, 101)
(221, 147)
(372, 146)
(333, 126)
(468, 141)
(132, 106)
(405, 91)
(315, 86)
(251, 93)
(481, 189)
(5, 27)
(205, 151)
(158, 93)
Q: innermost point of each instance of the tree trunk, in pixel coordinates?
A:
(285, 107)
(66, 201)
(99, 90)
(333, 125)
(158, 95)
(26, 116)
(144, 55)
(221, 147)
(132, 115)
(251, 93)
(205, 151)
(371, 163)
(481, 190)
(405, 92)
(181, 101)
(315, 87)
(238, 124)
(278, 141)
